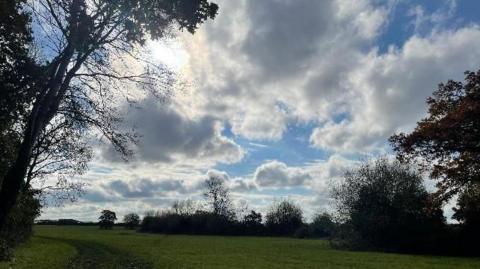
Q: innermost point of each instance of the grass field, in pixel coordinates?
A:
(89, 247)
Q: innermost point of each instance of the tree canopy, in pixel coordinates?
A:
(383, 204)
(447, 141)
(107, 219)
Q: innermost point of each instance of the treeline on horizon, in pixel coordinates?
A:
(381, 205)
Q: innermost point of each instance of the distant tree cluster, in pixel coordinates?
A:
(284, 217)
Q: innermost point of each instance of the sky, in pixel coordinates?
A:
(279, 98)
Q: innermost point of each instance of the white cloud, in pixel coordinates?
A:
(278, 174)
(391, 88)
(260, 65)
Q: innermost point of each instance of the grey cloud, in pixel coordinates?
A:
(96, 196)
(167, 135)
(284, 35)
(144, 188)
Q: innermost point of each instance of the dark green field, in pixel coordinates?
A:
(89, 247)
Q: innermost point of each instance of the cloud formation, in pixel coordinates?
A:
(168, 135)
(278, 174)
(263, 68)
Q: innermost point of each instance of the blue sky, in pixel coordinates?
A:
(282, 96)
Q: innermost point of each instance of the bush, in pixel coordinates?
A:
(284, 218)
(131, 221)
(304, 231)
(322, 225)
(252, 223)
(384, 205)
(18, 228)
(201, 222)
(467, 212)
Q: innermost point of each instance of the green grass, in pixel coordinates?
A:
(89, 247)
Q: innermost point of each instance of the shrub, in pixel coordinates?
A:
(304, 231)
(18, 228)
(322, 225)
(284, 218)
(384, 205)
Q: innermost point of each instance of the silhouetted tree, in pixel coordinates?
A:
(218, 196)
(253, 219)
(107, 219)
(18, 75)
(447, 140)
(322, 225)
(384, 205)
(19, 226)
(284, 218)
(79, 81)
(468, 210)
(131, 221)
(185, 207)
(253, 222)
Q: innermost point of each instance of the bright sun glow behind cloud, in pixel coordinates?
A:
(169, 52)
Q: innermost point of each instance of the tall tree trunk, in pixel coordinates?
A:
(14, 178)
(43, 111)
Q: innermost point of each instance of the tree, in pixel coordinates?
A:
(107, 219)
(131, 221)
(252, 219)
(59, 148)
(80, 82)
(284, 218)
(322, 225)
(468, 207)
(253, 222)
(384, 205)
(447, 141)
(185, 207)
(18, 75)
(218, 196)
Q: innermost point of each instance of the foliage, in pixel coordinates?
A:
(18, 228)
(131, 221)
(384, 205)
(448, 140)
(322, 225)
(107, 219)
(252, 223)
(185, 207)
(468, 206)
(464, 239)
(284, 218)
(201, 222)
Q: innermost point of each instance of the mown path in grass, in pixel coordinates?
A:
(92, 255)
